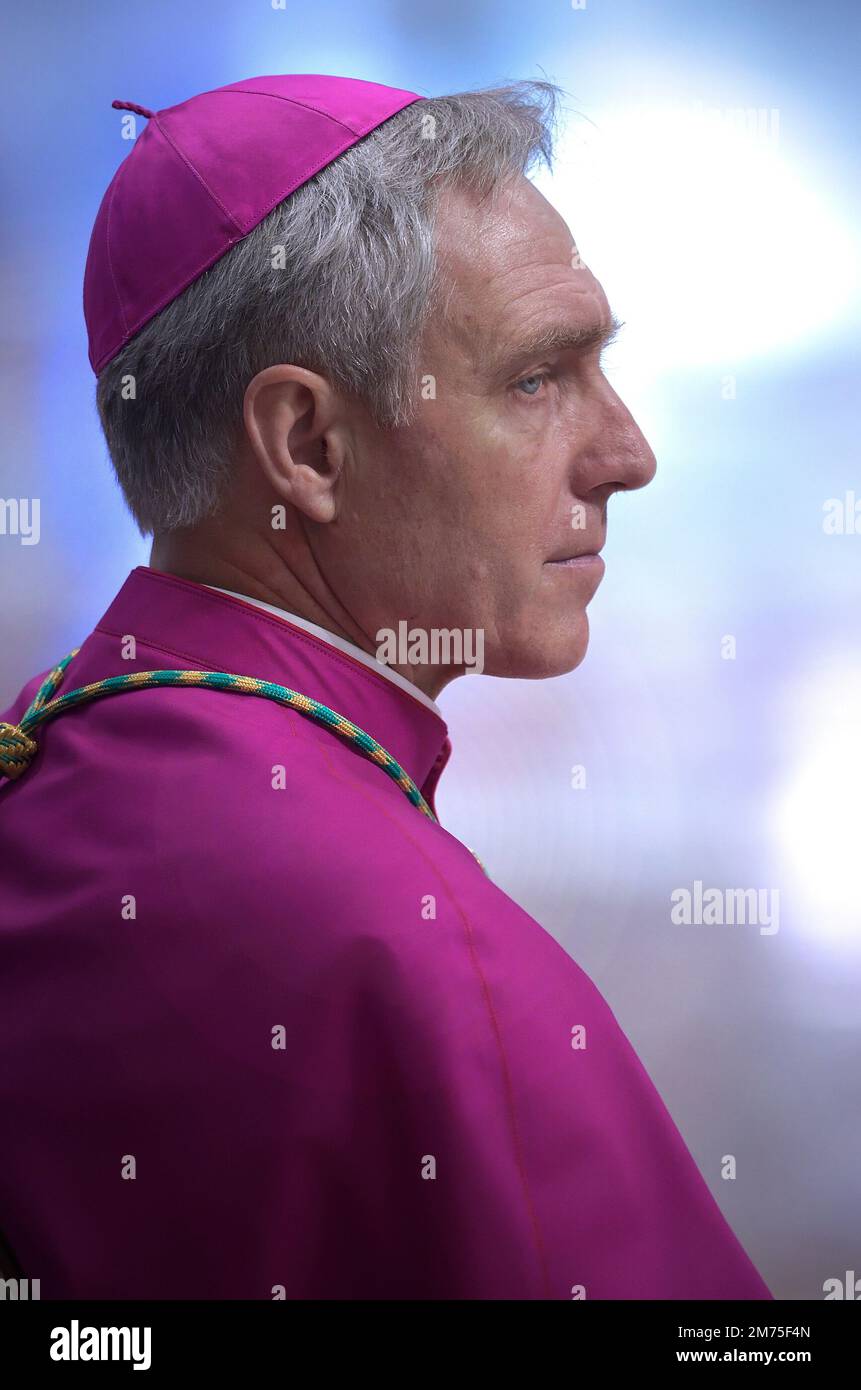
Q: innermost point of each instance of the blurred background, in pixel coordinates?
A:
(707, 165)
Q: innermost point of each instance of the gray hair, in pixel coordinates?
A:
(357, 276)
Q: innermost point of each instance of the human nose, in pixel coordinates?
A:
(621, 456)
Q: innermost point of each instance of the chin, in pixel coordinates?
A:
(544, 653)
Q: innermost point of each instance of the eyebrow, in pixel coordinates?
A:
(555, 337)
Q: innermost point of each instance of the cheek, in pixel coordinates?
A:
(530, 481)
(475, 498)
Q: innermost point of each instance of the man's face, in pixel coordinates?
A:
(487, 511)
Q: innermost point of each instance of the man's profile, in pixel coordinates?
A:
(255, 997)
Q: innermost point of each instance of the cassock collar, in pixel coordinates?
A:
(364, 658)
(200, 627)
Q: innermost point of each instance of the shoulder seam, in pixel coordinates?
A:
(494, 1022)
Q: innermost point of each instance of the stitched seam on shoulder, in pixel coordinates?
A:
(485, 988)
(167, 651)
(204, 666)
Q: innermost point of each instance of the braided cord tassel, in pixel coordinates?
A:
(17, 747)
(51, 684)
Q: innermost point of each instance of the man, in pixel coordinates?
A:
(270, 1031)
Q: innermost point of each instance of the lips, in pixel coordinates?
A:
(577, 557)
(585, 561)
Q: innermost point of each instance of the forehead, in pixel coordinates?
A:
(509, 266)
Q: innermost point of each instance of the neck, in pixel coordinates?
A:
(270, 579)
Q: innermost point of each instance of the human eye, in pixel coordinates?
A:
(536, 379)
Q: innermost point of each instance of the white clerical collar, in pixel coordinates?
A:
(342, 645)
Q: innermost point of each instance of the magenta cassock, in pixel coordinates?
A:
(270, 1031)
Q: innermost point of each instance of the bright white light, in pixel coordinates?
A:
(711, 246)
(816, 815)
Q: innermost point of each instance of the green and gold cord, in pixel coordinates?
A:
(18, 747)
